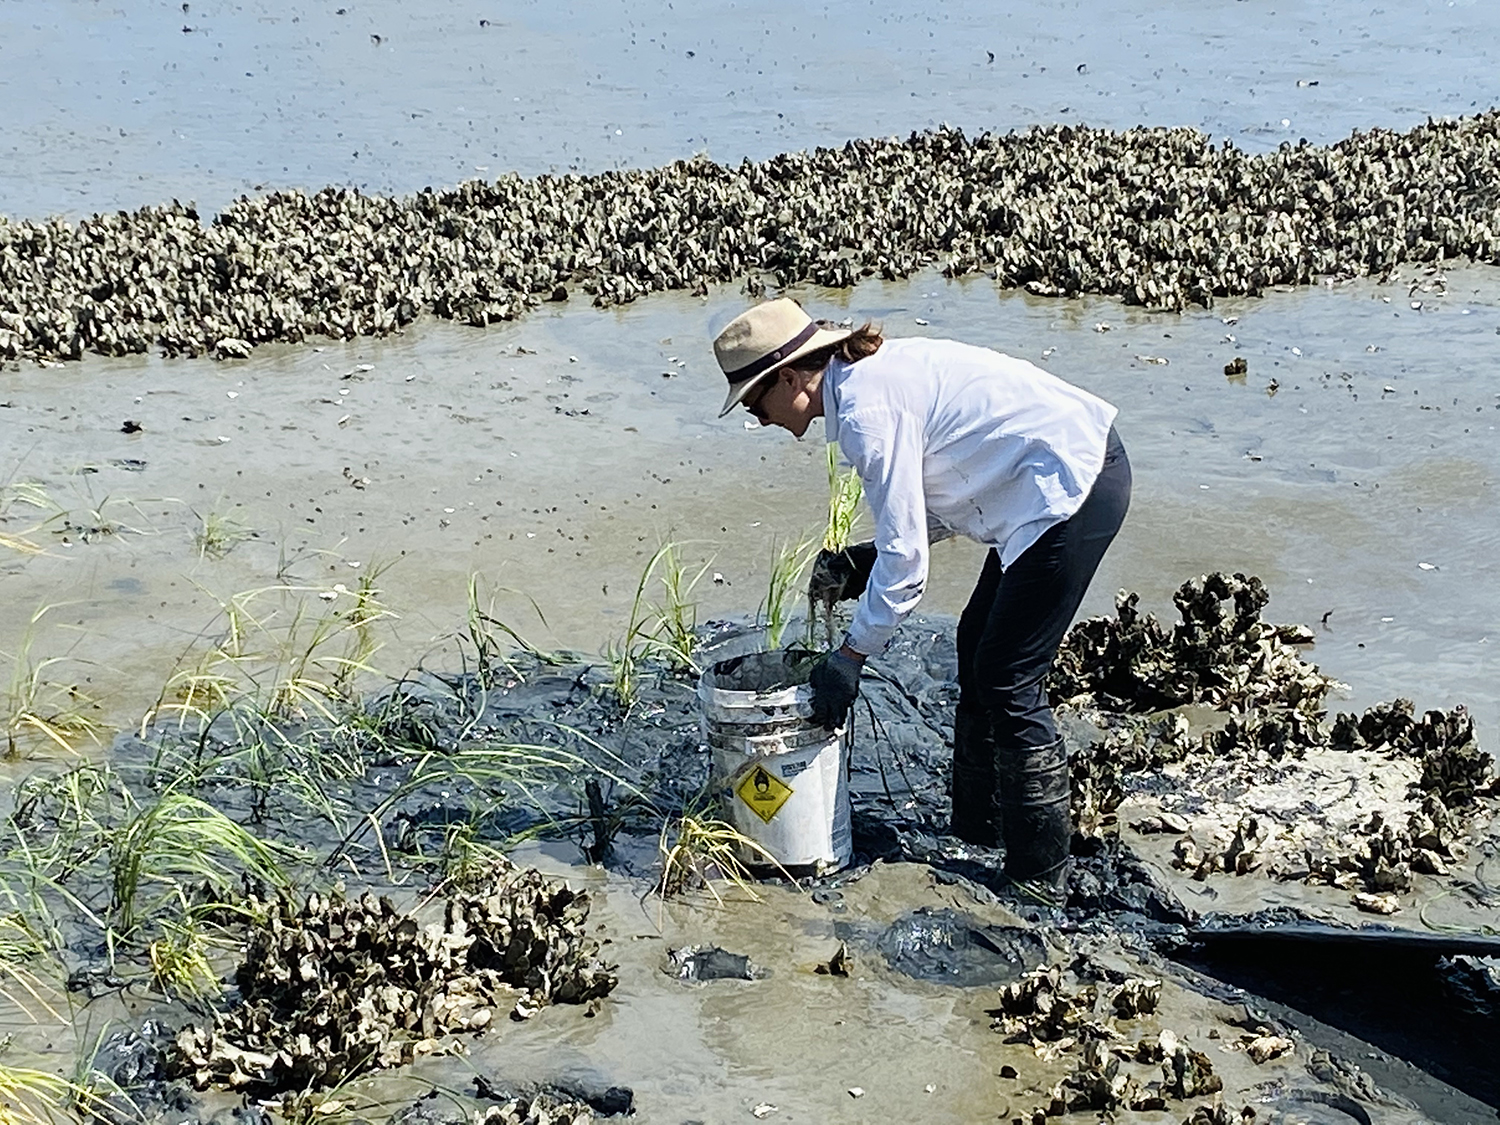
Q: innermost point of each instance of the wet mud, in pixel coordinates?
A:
(336, 985)
(952, 948)
(702, 963)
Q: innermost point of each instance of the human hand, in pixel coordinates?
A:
(839, 576)
(835, 684)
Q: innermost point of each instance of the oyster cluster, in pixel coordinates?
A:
(1159, 217)
(538, 1110)
(1222, 654)
(1041, 1009)
(1240, 857)
(1374, 856)
(1454, 768)
(1380, 857)
(1056, 1017)
(337, 986)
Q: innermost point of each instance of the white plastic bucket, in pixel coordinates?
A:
(782, 780)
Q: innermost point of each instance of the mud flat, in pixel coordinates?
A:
(341, 858)
(455, 762)
(1353, 468)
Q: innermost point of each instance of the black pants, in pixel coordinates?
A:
(1009, 632)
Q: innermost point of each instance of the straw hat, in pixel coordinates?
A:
(765, 338)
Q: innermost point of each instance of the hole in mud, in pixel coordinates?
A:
(949, 947)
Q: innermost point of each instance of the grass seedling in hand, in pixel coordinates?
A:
(845, 491)
(844, 494)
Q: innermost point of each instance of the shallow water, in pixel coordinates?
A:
(565, 468)
(1363, 489)
(117, 106)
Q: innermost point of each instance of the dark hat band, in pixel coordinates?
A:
(771, 359)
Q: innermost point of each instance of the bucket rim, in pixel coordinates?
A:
(710, 694)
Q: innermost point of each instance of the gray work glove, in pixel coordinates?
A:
(835, 683)
(839, 576)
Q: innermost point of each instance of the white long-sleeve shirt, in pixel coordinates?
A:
(949, 438)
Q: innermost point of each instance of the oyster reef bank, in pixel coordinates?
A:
(1162, 218)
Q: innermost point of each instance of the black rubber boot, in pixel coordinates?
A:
(1034, 818)
(972, 788)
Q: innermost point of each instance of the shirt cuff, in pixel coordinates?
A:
(868, 640)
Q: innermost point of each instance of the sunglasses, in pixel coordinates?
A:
(756, 404)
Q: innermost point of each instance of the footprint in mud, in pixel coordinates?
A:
(949, 947)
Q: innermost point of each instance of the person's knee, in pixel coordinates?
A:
(1012, 689)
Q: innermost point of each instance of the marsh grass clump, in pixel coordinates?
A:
(275, 707)
(490, 640)
(31, 497)
(698, 848)
(21, 948)
(179, 957)
(273, 696)
(488, 773)
(789, 562)
(40, 710)
(143, 873)
(677, 612)
(281, 652)
(98, 520)
(332, 987)
(664, 630)
(35, 1097)
(178, 840)
(218, 533)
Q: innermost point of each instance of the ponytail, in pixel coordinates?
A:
(860, 344)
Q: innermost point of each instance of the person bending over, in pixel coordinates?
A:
(953, 439)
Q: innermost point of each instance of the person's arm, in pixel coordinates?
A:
(887, 449)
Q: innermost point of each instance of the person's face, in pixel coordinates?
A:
(790, 399)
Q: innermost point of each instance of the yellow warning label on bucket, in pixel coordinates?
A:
(764, 792)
